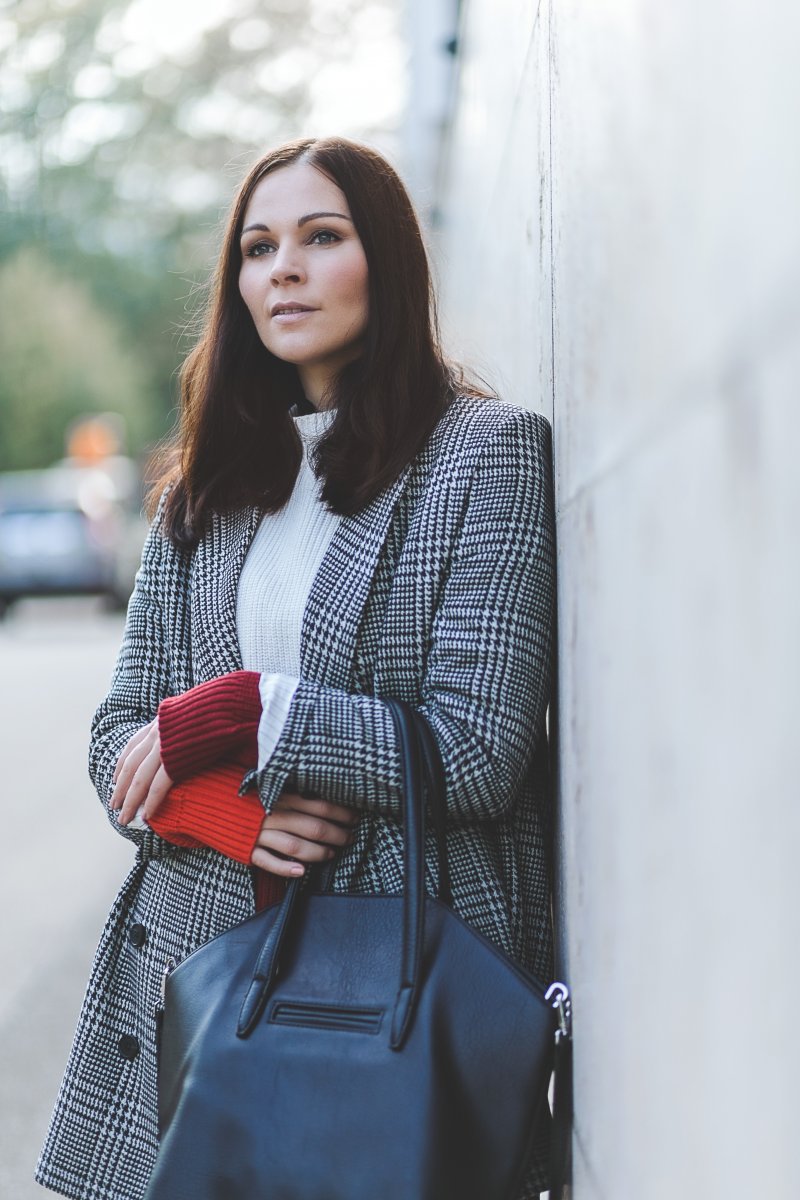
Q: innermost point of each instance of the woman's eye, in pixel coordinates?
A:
(324, 237)
(257, 249)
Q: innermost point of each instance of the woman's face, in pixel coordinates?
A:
(304, 274)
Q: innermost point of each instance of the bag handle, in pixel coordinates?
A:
(435, 787)
(420, 764)
(413, 871)
(266, 967)
(437, 791)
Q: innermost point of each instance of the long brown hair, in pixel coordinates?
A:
(237, 443)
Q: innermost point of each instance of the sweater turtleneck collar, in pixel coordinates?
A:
(311, 424)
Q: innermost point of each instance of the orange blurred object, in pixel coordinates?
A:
(91, 439)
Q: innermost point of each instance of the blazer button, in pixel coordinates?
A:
(129, 1046)
(137, 936)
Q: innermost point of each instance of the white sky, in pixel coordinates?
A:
(170, 28)
(349, 98)
(371, 83)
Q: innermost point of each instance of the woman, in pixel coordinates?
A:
(277, 604)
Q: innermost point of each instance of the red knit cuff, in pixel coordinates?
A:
(207, 810)
(210, 722)
(269, 889)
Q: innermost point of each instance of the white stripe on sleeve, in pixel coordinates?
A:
(276, 697)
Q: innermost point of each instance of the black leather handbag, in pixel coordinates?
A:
(354, 1047)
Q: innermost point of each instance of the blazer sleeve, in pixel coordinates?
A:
(487, 680)
(142, 675)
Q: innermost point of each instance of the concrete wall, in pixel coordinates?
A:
(620, 248)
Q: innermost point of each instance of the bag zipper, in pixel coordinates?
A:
(169, 967)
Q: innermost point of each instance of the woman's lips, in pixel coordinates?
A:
(290, 310)
(290, 316)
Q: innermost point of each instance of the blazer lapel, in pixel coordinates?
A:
(218, 564)
(341, 588)
(335, 603)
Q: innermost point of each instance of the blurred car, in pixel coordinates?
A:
(70, 530)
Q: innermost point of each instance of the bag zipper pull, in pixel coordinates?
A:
(561, 1142)
(558, 997)
(165, 974)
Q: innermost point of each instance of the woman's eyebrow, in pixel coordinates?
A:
(313, 217)
(301, 221)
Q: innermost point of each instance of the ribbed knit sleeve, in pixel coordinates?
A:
(209, 722)
(207, 810)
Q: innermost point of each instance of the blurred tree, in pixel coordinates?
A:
(119, 116)
(125, 124)
(61, 356)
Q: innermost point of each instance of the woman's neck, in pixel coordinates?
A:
(316, 379)
(315, 384)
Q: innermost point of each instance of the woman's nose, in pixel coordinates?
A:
(287, 266)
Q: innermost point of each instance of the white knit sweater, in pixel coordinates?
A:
(276, 579)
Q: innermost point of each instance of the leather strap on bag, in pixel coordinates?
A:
(561, 1136)
(266, 967)
(435, 785)
(413, 874)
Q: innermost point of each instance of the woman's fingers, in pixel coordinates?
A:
(142, 779)
(305, 829)
(315, 807)
(285, 853)
(130, 745)
(135, 756)
(158, 791)
(290, 846)
(283, 867)
(138, 786)
(302, 830)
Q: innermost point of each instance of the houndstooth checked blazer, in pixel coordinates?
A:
(441, 593)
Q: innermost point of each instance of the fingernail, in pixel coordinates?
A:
(297, 869)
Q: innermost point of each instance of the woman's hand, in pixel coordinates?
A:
(139, 776)
(302, 829)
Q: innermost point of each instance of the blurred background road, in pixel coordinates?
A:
(60, 863)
